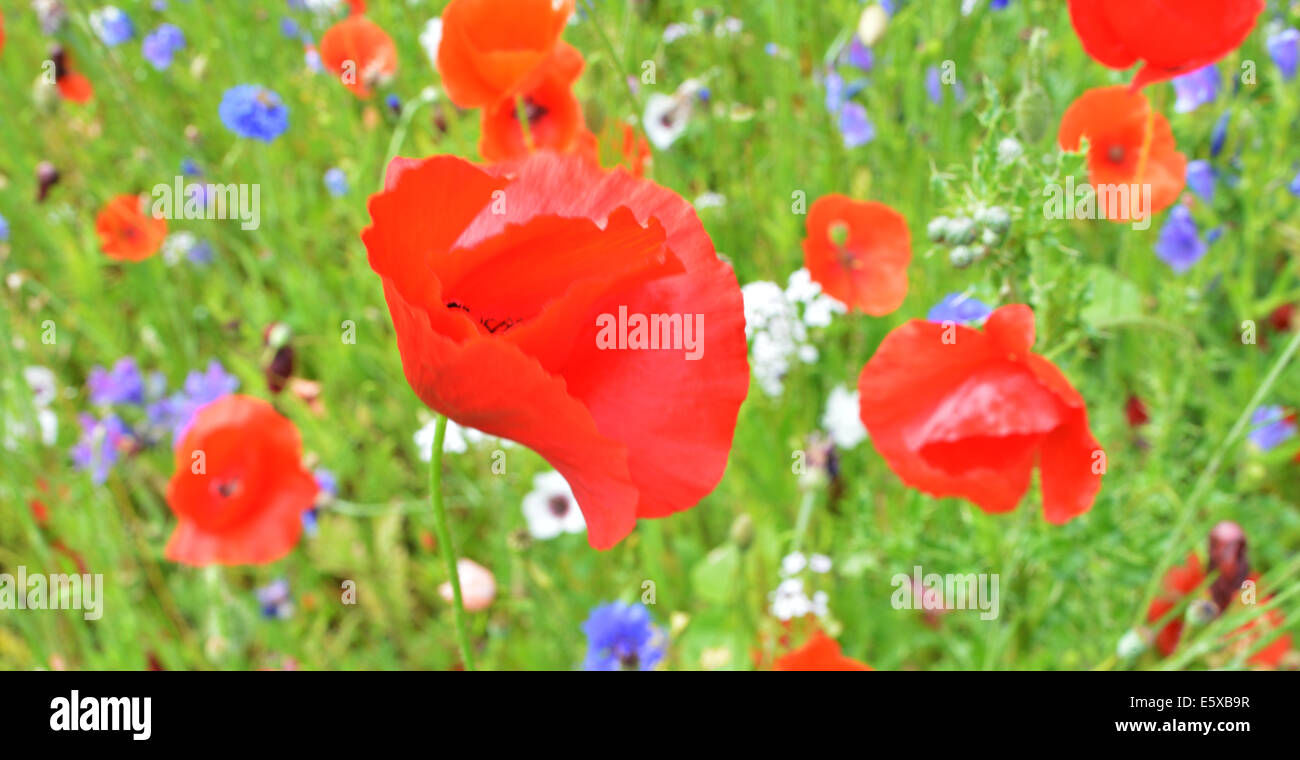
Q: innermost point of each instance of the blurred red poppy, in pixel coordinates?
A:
(959, 412)
(858, 251)
(360, 53)
(819, 653)
(239, 489)
(1271, 654)
(2, 31)
(1178, 582)
(1129, 144)
(1168, 38)
(126, 232)
(555, 120)
(71, 85)
(493, 50)
(356, 7)
(503, 281)
(1135, 411)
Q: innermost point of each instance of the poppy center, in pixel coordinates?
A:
(228, 489)
(492, 324)
(533, 111)
(559, 505)
(1116, 154)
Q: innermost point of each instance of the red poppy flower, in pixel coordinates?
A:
(2, 31)
(126, 232)
(858, 251)
(555, 120)
(71, 85)
(1178, 582)
(819, 653)
(1129, 144)
(1135, 411)
(356, 7)
(1168, 38)
(959, 412)
(1271, 654)
(493, 50)
(239, 489)
(503, 283)
(360, 53)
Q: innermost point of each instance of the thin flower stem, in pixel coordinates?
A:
(809, 498)
(521, 115)
(444, 540)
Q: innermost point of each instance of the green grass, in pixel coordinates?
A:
(1113, 317)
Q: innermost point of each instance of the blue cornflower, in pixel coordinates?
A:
(201, 389)
(1284, 49)
(859, 55)
(1270, 427)
(289, 28)
(394, 103)
(1196, 88)
(161, 44)
(200, 253)
(122, 385)
(312, 59)
(4, 229)
(998, 5)
(250, 110)
(855, 127)
(1219, 134)
(100, 445)
(336, 182)
(190, 168)
(1180, 245)
(326, 480)
(960, 309)
(111, 25)
(275, 600)
(1294, 187)
(934, 85)
(622, 636)
(1200, 178)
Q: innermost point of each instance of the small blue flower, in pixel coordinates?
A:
(855, 127)
(111, 25)
(201, 389)
(934, 85)
(189, 168)
(250, 110)
(1200, 178)
(4, 229)
(100, 446)
(960, 309)
(312, 59)
(1294, 187)
(275, 600)
(998, 5)
(122, 385)
(326, 480)
(394, 103)
(200, 253)
(622, 636)
(336, 182)
(1219, 134)
(1180, 245)
(289, 28)
(161, 44)
(859, 55)
(1284, 49)
(1270, 427)
(1196, 88)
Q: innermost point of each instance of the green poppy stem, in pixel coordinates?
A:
(445, 544)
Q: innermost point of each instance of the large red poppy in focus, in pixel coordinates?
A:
(858, 251)
(959, 412)
(1169, 38)
(496, 278)
(493, 50)
(1129, 144)
(239, 489)
(819, 653)
(126, 232)
(359, 49)
(555, 120)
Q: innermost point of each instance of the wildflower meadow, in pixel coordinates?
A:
(649, 335)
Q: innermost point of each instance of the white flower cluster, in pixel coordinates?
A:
(790, 600)
(777, 322)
